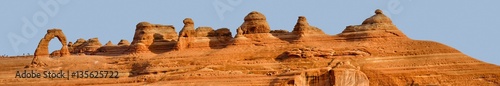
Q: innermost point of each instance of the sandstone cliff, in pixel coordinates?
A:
(375, 53)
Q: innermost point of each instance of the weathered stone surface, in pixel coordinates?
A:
(148, 33)
(152, 34)
(111, 49)
(377, 26)
(303, 28)
(90, 46)
(188, 29)
(55, 53)
(109, 44)
(144, 34)
(310, 52)
(187, 35)
(139, 49)
(123, 42)
(79, 42)
(383, 57)
(279, 31)
(255, 22)
(70, 44)
(205, 32)
(347, 74)
(223, 32)
(42, 51)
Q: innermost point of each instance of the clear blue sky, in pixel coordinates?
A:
(467, 25)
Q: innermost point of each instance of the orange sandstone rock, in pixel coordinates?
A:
(109, 44)
(255, 22)
(123, 42)
(303, 28)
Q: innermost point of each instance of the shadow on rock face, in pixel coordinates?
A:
(139, 68)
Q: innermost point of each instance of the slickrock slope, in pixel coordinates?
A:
(375, 53)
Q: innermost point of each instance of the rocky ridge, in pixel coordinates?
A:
(373, 53)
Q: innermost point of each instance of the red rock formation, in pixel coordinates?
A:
(111, 49)
(152, 36)
(310, 52)
(42, 51)
(373, 53)
(279, 31)
(144, 33)
(377, 26)
(240, 39)
(123, 42)
(188, 29)
(88, 47)
(223, 34)
(255, 22)
(148, 33)
(109, 44)
(303, 28)
(187, 35)
(205, 32)
(347, 74)
(79, 42)
(207, 38)
(140, 48)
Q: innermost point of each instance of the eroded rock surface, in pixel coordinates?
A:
(347, 74)
(42, 51)
(147, 33)
(255, 22)
(187, 35)
(377, 26)
(109, 44)
(310, 52)
(87, 47)
(374, 53)
(123, 42)
(303, 28)
(43, 47)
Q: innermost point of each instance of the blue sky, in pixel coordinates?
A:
(469, 26)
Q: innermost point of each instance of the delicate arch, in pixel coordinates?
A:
(43, 46)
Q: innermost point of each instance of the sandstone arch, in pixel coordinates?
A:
(43, 47)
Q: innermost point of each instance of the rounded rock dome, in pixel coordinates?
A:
(379, 17)
(254, 15)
